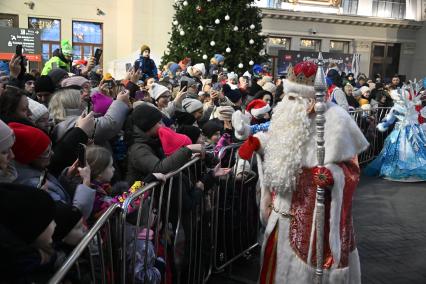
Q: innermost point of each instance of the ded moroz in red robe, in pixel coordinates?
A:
(289, 253)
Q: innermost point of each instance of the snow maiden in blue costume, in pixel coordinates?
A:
(403, 157)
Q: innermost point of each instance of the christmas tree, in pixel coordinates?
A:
(202, 28)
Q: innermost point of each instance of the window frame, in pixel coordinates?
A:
(92, 46)
(344, 51)
(308, 49)
(49, 42)
(14, 17)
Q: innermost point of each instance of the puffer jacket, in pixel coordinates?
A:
(83, 197)
(146, 156)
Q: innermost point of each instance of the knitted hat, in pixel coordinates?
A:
(107, 77)
(219, 58)
(28, 77)
(25, 211)
(145, 47)
(258, 108)
(211, 127)
(191, 105)
(172, 141)
(201, 67)
(300, 80)
(224, 113)
(66, 47)
(66, 217)
(270, 87)
(173, 68)
(145, 116)
(364, 89)
(158, 90)
(44, 84)
(30, 142)
(57, 75)
(7, 138)
(233, 95)
(101, 103)
(37, 110)
(74, 81)
(191, 131)
(232, 76)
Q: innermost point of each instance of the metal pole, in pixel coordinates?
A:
(320, 108)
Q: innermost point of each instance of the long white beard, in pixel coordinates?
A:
(289, 130)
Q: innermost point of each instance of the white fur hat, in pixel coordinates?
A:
(201, 67)
(270, 87)
(300, 80)
(157, 90)
(191, 105)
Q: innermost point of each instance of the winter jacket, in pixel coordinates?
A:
(148, 67)
(107, 126)
(83, 197)
(65, 152)
(60, 63)
(337, 96)
(146, 156)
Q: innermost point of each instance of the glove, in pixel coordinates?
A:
(252, 144)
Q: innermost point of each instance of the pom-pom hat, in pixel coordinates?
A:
(300, 80)
(258, 108)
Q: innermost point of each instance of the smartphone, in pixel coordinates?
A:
(128, 66)
(183, 84)
(98, 54)
(89, 104)
(43, 178)
(19, 50)
(214, 78)
(109, 84)
(217, 87)
(54, 65)
(137, 65)
(81, 155)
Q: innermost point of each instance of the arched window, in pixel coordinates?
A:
(394, 9)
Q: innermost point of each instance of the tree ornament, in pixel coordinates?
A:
(175, 22)
(212, 43)
(199, 9)
(185, 3)
(205, 56)
(235, 28)
(228, 49)
(227, 17)
(182, 33)
(252, 27)
(200, 27)
(251, 41)
(240, 66)
(251, 62)
(217, 21)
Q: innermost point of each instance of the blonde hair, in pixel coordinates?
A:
(98, 159)
(63, 100)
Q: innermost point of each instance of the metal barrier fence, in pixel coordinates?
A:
(367, 122)
(180, 240)
(95, 255)
(236, 218)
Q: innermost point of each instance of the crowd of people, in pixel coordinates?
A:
(132, 129)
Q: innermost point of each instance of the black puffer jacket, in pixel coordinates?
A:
(146, 156)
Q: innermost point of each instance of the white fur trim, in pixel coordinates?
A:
(258, 112)
(335, 211)
(298, 89)
(343, 138)
(241, 124)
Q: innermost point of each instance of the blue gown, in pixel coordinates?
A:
(403, 157)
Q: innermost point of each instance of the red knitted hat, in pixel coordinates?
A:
(172, 141)
(258, 107)
(30, 142)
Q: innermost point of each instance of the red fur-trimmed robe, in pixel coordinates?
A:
(289, 254)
